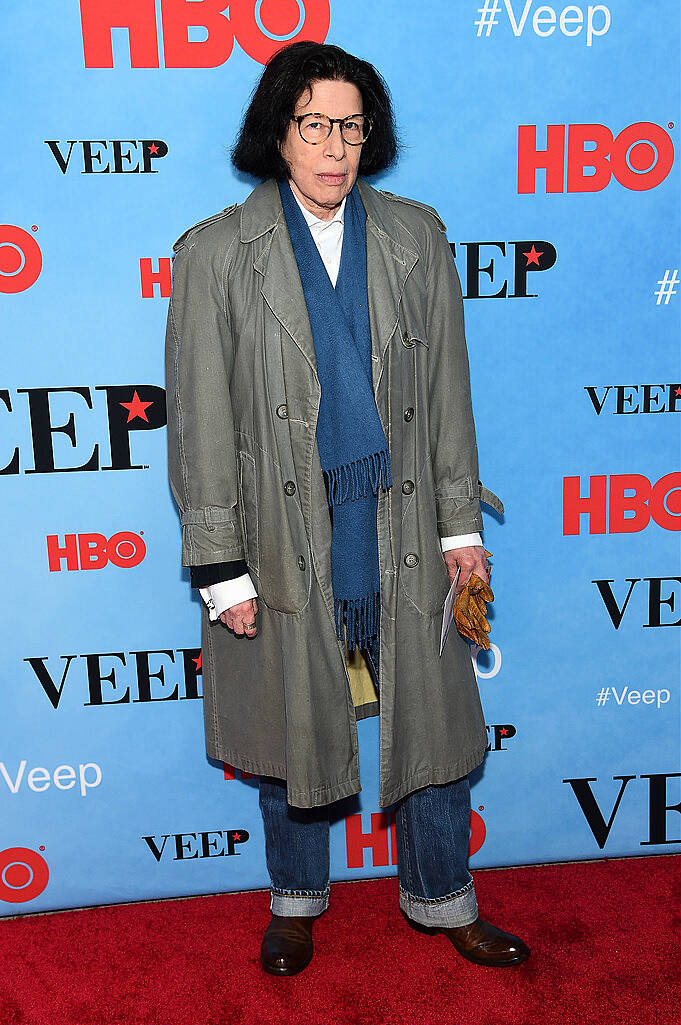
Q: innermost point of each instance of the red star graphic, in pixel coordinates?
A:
(503, 731)
(198, 662)
(533, 255)
(677, 391)
(236, 836)
(136, 408)
(153, 148)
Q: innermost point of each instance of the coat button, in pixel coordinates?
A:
(411, 560)
(408, 342)
(289, 487)
(282, 411)
(301, 562)
(407, 487)
(409, 413)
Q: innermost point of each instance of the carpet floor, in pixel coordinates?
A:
(604, 937)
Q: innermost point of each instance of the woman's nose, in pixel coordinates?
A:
(335, 144)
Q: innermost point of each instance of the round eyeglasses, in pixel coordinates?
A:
(316, 128)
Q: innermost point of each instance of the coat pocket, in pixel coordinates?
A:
(275, 540)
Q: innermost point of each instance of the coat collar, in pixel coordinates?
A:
(262, 210)
(391, 256)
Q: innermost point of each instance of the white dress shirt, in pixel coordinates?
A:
(328, 237)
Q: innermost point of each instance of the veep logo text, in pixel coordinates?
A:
(658, 806)
(109, 679)
(640, 157)
(206, 843)
(657, 597)
(628, 399)
(129, 409)
(39, 779)
(94, 156)
(526, 258)
(626, 507)
(198, 33)
(572, 21)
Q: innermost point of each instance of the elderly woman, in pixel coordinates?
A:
(322, 454)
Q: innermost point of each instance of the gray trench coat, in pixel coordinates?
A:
(244, 468)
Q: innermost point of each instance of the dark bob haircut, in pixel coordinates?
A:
(287, 75)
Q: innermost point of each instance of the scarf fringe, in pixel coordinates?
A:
(361, 616)
(352, 480)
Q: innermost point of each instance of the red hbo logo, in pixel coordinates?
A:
(478, 833)
(200, 33)
(262, 27)
(628, 508)
(640, 157)
(23, 874)
(93, 551)
(20, 259)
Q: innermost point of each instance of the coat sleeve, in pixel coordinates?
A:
(453, 444)
(198, 361)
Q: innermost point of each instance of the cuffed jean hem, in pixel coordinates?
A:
(458, 908)
(298, 902)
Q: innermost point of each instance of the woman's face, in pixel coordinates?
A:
(322, 175)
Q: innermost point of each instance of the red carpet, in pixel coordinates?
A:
(604, 938)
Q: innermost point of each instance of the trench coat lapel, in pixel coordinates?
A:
(281, 287)
(389, 263)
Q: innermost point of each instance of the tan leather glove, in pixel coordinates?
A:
(470, 610)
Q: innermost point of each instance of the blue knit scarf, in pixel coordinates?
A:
(352, 445)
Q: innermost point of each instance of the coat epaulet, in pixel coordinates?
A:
(422, 206)
(182, 240)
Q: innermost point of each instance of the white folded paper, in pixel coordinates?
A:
(448, 611)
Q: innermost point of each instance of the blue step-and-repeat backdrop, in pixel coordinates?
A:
(547, 137)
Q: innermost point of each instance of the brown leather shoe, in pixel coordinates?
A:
(287, 944)
(482, 943)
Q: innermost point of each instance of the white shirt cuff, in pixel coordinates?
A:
(460, 541)
(226, 593)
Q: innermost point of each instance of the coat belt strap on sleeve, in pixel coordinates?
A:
(467, 489)
(489, 498)
(210, 517)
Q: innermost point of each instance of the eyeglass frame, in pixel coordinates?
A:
(333, 121)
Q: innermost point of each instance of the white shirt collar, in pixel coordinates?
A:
(311, 219)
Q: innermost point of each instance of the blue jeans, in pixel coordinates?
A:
(432, 833)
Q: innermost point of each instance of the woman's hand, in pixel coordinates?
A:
(471, 560)
(238, 617)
